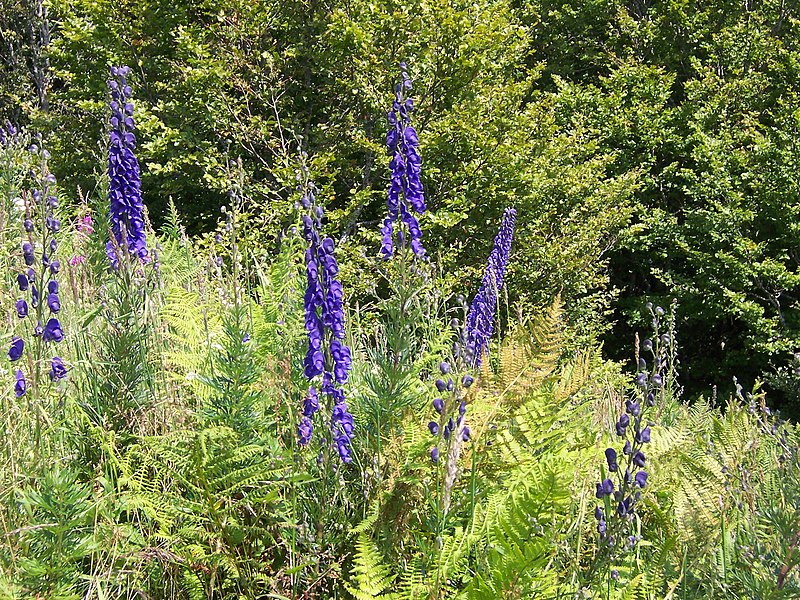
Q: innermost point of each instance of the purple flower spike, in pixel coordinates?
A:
(126, 211)
(327, 355)
(480, 319)
(405, 185)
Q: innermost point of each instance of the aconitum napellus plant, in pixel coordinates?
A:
(39, 302)
(405, 195)
(328, 357)
(480, 318)
(624, 475)
(126, 211)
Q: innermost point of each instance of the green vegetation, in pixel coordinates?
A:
(651, 153)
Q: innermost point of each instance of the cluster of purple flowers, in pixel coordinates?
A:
(126, 211)
(327, 353)
(480, 318)
(445, 427)
(632, 426)
(405, 188)
(30, 282)
(8, 133)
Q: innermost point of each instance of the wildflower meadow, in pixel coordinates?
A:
(424, 329)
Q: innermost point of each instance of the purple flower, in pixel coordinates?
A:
(310, 406)
(467, 381)
(324, 321)
(22, 308)
(21, 386)
(52, 331)
(16, 349)
(624, 507)
(622, 424)
(611, 458)
(641, 479)
(433, 426)
(643, 437)
(57, 369)
(435, 454)
(604, 488)
(438, 405)
(304, 430)
(465, 434)
(639, 458)
(126, 211)
(480, 319)
(52, 286)
(22, 282)
(55, 266)
(27, 253)
(405, 185)
(53, 303)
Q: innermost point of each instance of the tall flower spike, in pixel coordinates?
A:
(405, 186)
(480, 319)
(324, 319)
(126, 211)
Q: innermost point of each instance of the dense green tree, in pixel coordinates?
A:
(648, 146)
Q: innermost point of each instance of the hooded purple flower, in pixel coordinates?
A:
(16, 349)
(53, 303)
(126, 211)
(27, 253)
(57, 369)
(480, 319)
(21, 386)
(52, 331)
(22, 308)
(405, 185)
(310, 406)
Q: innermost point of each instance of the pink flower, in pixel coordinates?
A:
(85, 225)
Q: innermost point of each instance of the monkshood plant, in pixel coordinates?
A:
(405, 192)
(125, 386)
(327, 363)
(39, 303)
(624, 476)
